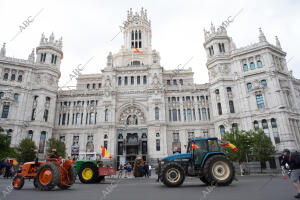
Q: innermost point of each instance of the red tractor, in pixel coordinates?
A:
(46, 174)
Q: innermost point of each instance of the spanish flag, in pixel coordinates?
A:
(229, 145)
(104, 152)
(136, 50)
(194, 146)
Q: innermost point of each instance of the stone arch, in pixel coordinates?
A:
(132, 115)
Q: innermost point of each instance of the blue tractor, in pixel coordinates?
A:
(204, 160)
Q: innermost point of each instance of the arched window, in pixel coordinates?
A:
(46, 113)
(20, 78)
(275, 131)
(140, 35)
(222, 130)
(105, 136)
(252, 65)
(157, 135)
(106, 115)
(94, 86)
(249, 86)
(231, 106)
(264, 83)
(136, 36)
(265, 127)
(16, 96)
(5, 77)
(119, 80)
(228, 89)
(13, 77)
(88, 86)
(126, 80)
(245, 67)
(256, 125)
(259, 63)
(217, 91)
(181, 82)
(219, 108)
(156, 113)
(132, 35)
(144, 135)
(145, 79)
(234, 126)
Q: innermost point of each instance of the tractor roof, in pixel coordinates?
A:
(205, 138)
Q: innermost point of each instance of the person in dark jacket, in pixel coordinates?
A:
(293, 161)
(146, 170)
(53, 154)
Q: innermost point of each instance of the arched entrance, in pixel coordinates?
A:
(132, 138)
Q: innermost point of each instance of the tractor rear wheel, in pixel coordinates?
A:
(72, 178)
(88, 173)
(18, 182)
(48, 176)
(172, 175)
(218, 170)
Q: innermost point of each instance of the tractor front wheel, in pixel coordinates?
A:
(48, 176)
(218, 170)
(172, 175)
(18, 182)
(88, 173)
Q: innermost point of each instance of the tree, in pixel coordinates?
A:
(5, 149)
(262, 146)
(27, 150)
(60, 147)
(242, 140)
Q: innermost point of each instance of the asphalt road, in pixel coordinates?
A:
(252, 188)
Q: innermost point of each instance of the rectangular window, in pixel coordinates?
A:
(42, 142)
(170, 115)
(219, 108)
(203, 113)
(174, 112)
(132, 80)
(157, 144)
(145, 79)
(168, 82)
(119, 80)
(194, 114)
(105, 144)
(92, 118)
(189, 114)
(184, 114)
(231, 106)
(5, 111)
(77, 118)
(73, 118)
(64, 119)
(138, 80)
(199, 113)
(260, 101)
(176, 137)
(179, 116)
(46, 112)
(191, 135)
(126, 80)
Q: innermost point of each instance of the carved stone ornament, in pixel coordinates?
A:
(132, 116)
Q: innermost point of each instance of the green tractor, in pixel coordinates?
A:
(203, 159)
(91, 169)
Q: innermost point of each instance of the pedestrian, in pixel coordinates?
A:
(146, 170)
(7, 169)
(293, 161)
(141, 169)
(129, 168)
(120, 171)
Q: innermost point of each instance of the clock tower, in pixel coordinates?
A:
(137, 31)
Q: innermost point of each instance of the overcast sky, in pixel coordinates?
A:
(87, 28)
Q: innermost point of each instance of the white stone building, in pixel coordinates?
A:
(135, 107)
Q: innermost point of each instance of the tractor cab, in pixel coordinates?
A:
(203, 147)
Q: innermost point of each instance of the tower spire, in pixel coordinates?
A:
(3, 50)
(261, 37)
(277, 42)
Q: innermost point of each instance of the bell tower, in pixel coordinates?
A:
(137, 31)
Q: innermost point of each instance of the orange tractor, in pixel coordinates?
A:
(46, 174)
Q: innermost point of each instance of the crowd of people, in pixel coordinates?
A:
(8, 168)
(126, 170)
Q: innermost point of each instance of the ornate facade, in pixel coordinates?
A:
(135, 107)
